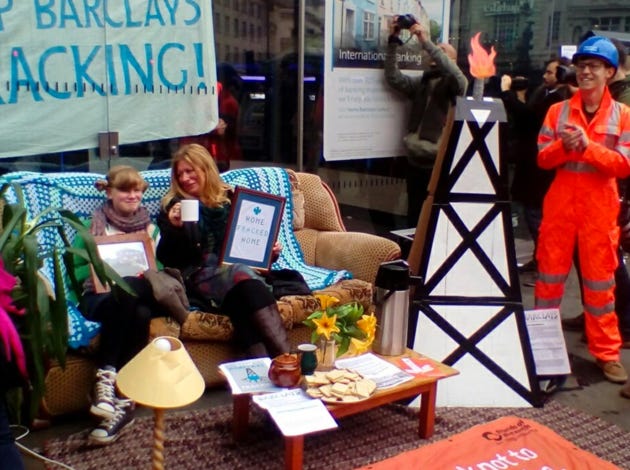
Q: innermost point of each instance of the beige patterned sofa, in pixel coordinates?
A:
(324, 242)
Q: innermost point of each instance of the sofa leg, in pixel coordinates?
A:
(268, 322)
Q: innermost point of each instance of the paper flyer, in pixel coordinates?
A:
(249, 376)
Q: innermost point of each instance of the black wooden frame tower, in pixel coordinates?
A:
(468, 304)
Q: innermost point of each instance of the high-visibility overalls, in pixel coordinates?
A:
(581, 207)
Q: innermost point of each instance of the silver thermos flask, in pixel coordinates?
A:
(391, 298)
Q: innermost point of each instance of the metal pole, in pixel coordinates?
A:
(300, 88)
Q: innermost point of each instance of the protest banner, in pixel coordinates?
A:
(508, 442)
(71, 69)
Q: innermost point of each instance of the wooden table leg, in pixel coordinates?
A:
(426, 415)
(240, 415)
(293, 452)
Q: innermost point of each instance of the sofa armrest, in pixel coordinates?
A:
(360, 253)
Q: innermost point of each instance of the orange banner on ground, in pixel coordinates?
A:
(506, 443)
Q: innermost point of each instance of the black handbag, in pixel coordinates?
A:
(287, 282)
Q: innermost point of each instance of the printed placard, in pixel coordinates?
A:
(252, 228)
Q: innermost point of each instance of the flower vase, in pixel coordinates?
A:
(328, 354)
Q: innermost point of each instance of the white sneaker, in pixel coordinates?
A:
(104, 395)
(111, 429)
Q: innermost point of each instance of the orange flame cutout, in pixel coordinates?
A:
(481, 63)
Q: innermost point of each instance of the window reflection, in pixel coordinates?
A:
(255, 46)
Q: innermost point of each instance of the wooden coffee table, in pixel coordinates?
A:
(426, 387)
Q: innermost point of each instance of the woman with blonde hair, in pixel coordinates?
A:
(236, 289)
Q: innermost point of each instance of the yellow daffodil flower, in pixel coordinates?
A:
(359, 346)
(326, 325)
(326, 301)
(367, 324)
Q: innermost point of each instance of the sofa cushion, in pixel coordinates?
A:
(297, 197)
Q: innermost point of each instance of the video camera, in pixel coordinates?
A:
(566, 75)
(405, 21)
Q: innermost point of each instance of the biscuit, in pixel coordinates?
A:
(339, 386)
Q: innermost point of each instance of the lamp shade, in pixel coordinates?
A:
(162, 375)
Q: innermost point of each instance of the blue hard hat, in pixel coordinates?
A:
(600, 48)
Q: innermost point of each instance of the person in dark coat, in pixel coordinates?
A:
(431, 96)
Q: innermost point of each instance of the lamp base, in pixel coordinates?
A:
(158, 439)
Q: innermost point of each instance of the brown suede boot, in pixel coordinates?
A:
(625, 390)
(269, 324)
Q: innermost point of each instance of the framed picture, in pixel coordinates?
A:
(252, 228)
(128, 254)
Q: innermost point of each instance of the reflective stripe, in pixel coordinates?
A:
(599, 311)
(545, 131)
(552, 278)
(579, 167)
(548, 303)
(613, 120)
(599, 285)
(625, 151)
(624, 137)
(563, 117)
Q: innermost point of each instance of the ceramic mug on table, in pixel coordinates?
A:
(308, 358)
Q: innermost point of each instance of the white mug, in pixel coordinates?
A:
(190, 210)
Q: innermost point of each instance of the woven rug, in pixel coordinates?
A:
(202, 439)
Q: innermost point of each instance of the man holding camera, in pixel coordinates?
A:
(431, 95)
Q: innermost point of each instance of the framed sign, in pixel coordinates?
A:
(252, 228)
(128, 254)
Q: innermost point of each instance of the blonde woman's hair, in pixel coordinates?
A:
(123, 178)
(214, 193)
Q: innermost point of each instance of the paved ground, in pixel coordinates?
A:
(586, 389)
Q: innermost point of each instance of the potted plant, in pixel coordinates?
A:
(340, 329)
(41, 306)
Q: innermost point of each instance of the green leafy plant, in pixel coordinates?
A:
(44, 326)
(347, 324)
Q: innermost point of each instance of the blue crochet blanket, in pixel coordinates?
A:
(76, 192)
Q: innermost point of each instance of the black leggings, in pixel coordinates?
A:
(124, 320)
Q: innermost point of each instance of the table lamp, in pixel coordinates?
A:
(161, 376)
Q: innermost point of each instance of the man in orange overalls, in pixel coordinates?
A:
(586, 139)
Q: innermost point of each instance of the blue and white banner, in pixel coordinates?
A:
(70, 69)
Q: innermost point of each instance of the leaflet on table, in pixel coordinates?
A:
(284, 397)
(295, 413)
(249, 376)
(547, 342)
(420, 367)
(385, 374)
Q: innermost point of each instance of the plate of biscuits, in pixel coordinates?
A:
(338, 386)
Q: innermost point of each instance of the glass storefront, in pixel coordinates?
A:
(256, 44)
